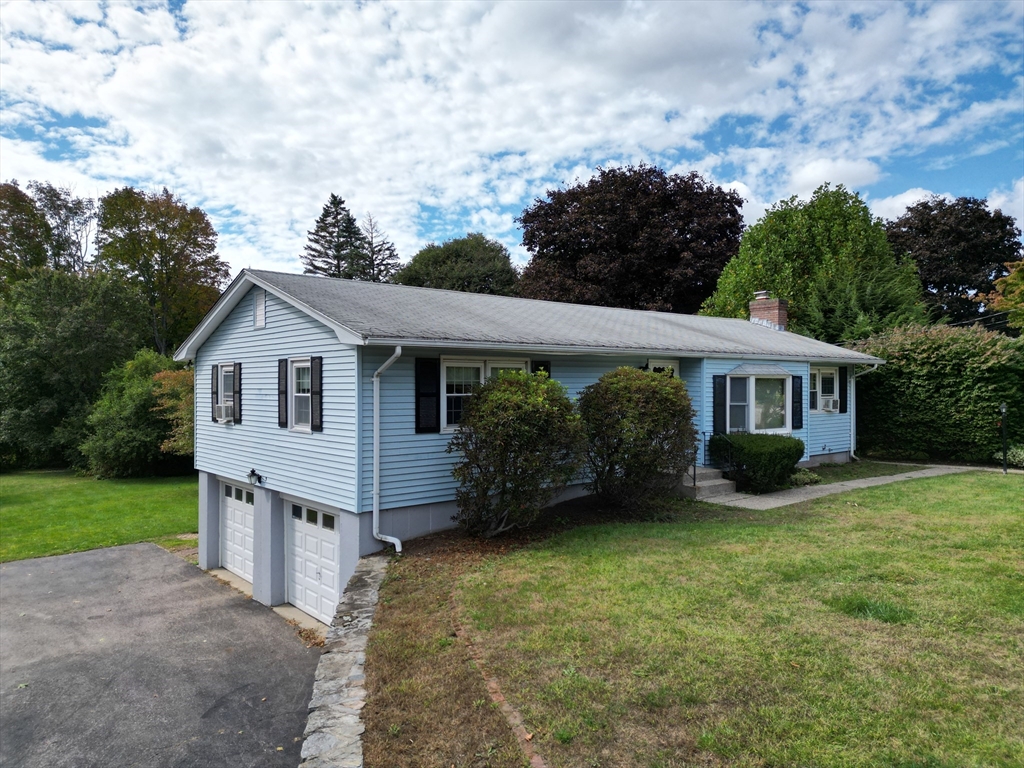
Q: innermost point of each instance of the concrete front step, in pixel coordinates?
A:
(710, 484)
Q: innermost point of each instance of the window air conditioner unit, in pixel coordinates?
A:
(225, 413)
(830, 404)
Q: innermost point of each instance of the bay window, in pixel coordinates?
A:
(759, 404)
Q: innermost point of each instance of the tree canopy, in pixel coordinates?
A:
(339, 247)
(60, 332)
(829, 257)
(960, 248)
(379, 260)
(473, 263)
(24, 233)
(169, 250)
(633, 237)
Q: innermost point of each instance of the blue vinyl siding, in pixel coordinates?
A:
(320, 466)
(415, 469)
(718, 367)
(691, 371)
(830, 432)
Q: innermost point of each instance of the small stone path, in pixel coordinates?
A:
(333, 737)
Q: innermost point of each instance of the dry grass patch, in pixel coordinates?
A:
(427, 703)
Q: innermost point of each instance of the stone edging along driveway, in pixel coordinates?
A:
(333, 737)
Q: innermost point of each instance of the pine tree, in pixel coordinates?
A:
(336, 245)
(380, 260)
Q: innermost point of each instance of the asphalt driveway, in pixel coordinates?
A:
(131, 656)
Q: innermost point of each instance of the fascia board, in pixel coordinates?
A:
(574, 350)
(229, 300)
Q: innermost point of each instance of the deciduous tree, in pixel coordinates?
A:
(60, 332)
(960, 248)
(24, 233)
(70, 221)
(169, 250)
(633, 237)
(829, 257)
(473, 263)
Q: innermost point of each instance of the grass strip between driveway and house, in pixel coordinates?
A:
(55, 512)
(883, 626)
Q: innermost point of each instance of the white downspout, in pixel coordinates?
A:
(853, 410)
(376, 453)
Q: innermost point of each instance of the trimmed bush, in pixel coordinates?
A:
(760, 463)
(126, 432)
(640, 434)
(520, 444)
(938, 395)
(1014, 456)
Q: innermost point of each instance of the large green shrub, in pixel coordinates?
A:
(640, 434)
(126, 429)
(939, 392)
(519, 440)
(761, 463)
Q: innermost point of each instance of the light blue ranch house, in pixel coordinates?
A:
(324, 407)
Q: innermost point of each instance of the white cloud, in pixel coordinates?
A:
(1009, 200)
(445, 117)
(893, 207)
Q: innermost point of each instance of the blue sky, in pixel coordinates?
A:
(446, 118)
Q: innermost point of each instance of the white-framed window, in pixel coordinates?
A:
(663, 366)
(259, 308)
(758, 404)
(300, 377)
(225, 392)
(317, 518)
(824, 390)
(459, 376)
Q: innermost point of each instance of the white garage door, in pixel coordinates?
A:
(313, 561)
(236, 524)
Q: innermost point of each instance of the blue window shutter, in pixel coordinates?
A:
(236, 395)
(718, 404)
(797, 420)
(282, 393)
(428, 395)
(316, 393)
(844, 374)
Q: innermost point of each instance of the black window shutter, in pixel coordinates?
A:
(541, 365)
(718, 404)
(316, 393)
(282, 393)
(214, 384)
(236, 395)
(428, 395)
(797, 420)
(844, 372)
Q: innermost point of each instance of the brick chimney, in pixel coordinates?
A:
(768, 312)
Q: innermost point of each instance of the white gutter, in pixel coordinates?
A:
(376, 453)
(853, 411)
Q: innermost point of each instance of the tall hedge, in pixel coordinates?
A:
(938, 395)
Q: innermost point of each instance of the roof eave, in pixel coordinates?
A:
(598, 350)
(229, 300)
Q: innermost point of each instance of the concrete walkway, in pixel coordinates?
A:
(796, 495)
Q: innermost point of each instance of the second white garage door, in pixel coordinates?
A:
(313, 561)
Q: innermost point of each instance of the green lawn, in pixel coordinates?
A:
(52, 513)
(855, 470)
(879, 627)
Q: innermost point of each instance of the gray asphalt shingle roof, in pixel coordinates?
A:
(386, 313)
